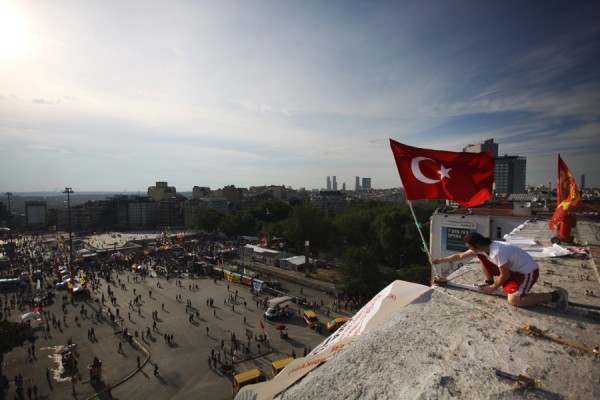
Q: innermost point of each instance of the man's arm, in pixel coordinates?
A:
(504, 275)
(454, 257)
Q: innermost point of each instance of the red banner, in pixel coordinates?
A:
(567, 194)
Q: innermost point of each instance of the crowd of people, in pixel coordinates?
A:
(112, 284)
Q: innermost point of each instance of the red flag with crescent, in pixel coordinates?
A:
(465, 178)
(567, 194)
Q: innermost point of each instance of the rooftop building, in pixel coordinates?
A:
(448, 342)
(509, 171)
(161, 191)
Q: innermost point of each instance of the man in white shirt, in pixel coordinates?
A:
(516, 270)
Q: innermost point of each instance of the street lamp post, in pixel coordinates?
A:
(8, 194)
(306, 253)
(68, 191)
(11, 251)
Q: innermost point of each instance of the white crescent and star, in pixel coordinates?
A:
(414, 164)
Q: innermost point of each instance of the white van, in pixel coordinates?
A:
(279, 307)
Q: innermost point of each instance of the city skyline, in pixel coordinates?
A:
(114, 97)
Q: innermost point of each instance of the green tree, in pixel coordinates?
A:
(398, 237)
(307, 223)
(353, 225)
(360, 274)
(12, 334)
(276, 229)
(271, 211)
(239, 223)
(415, 273)
(207, 219)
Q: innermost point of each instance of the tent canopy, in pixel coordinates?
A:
(30, 315)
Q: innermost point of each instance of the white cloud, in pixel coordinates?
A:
(236, 92)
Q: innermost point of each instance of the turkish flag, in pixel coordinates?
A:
(568, 195)
(465, 178)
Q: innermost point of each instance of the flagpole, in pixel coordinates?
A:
(425, 247)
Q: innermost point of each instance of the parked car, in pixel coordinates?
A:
(311, 319)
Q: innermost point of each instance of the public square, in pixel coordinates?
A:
(182, 364)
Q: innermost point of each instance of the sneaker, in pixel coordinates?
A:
(563, 299)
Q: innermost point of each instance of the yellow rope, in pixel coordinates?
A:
(530, 329)
(533, 330)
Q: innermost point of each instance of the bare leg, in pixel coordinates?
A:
(529, 300)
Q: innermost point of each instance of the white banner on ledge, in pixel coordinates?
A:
(386, 303)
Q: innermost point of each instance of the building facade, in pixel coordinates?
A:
(35, 213)
(488, 145)
(509, 175)
(143, 213)
(509, 171)
(161, 191)
(234, 196)
(200, 191)
(366, 183)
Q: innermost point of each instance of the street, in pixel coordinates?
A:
(183, 370)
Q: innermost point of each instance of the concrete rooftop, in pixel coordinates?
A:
(448, 342)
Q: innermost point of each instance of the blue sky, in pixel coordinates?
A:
(116, 95)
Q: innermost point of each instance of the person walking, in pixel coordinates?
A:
(155, 369)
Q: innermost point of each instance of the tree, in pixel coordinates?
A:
(415, 273)
(360, 274)
(307, 223)
(272, 230)
(353, 225)
(398, 237)
(271, 211)
(12, 334)
(239, 223)
(207, 219)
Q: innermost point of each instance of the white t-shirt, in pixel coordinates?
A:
(515, 258)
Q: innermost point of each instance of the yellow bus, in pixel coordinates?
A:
(278, 365)
(247, 378)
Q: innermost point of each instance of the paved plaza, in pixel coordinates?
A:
(182, 365)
